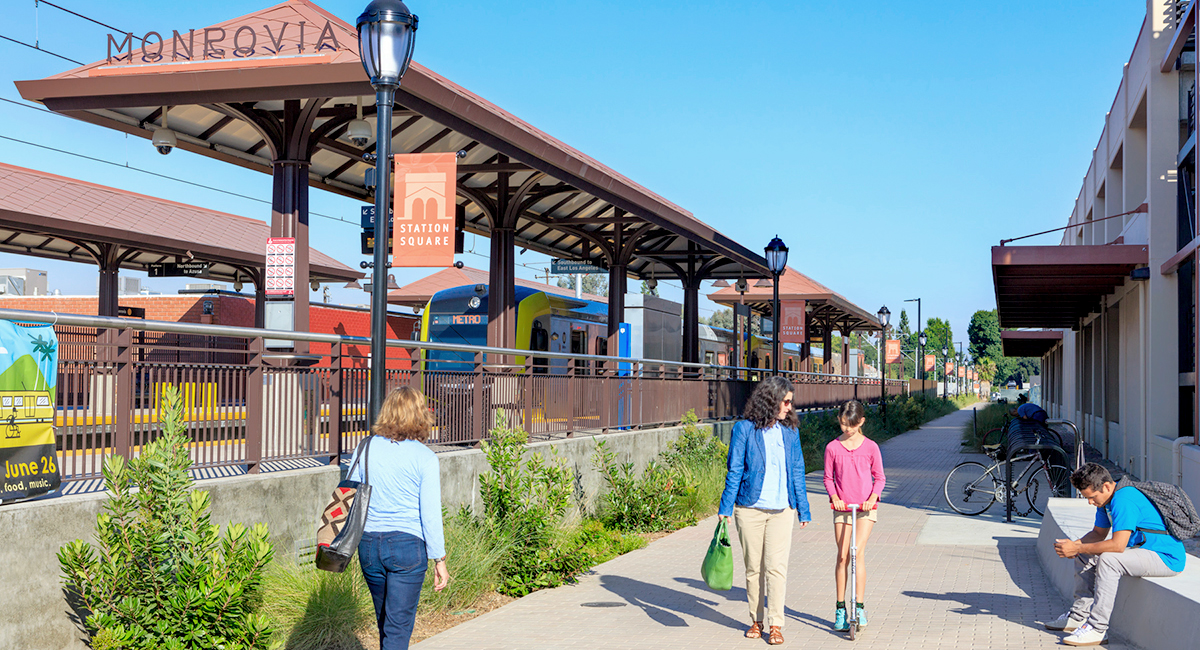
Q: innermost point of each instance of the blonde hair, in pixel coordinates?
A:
(404, 416)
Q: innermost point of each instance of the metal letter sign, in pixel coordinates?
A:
(281, 266)
(892, 352)
(28, 377)
(177, 269)
(423, 221)
(574, 267)
(791, 322)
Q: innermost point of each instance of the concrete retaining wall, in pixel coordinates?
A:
(1151, 613)
(35, 614)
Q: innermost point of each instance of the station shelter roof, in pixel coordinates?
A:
(1056, 286)
(54, 217)
(1029, 343)
(830, 310)
(233, 108)
(418, 293)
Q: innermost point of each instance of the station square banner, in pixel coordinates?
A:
(28, 376)
(423, 210)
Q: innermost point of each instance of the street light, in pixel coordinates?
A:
(920, 350)
(921, 355)
(386, 34)
(885, 317)
(776, 254)
(945, 373)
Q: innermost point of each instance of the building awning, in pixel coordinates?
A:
(1056, 286)
(1029, 343)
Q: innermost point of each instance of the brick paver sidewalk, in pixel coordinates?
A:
(937, 580)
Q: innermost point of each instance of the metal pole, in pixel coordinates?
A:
(383, 187)
(883, 375)
(775, 326)
(920, 346)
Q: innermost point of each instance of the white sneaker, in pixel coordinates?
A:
(1085, 634)
(1064, 623)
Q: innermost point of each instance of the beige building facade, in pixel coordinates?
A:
(1121, 285)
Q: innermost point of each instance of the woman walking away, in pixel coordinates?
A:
(764, 491)
(853, 475)
(404, 516)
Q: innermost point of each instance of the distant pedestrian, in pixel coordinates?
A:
(764, 491)
(404, 517)
(853, 475)
(1101, 560)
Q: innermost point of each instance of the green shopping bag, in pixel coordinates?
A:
(717, 568)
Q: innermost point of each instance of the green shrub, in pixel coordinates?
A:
(631, 502)
(986, 419)
(524, 501)
(161, 575)
(597, 543)
(475, 553)
(697, 459)
(317, 610)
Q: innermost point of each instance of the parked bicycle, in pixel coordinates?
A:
(972, 487)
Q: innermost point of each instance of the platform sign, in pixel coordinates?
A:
(177, 269)
(281, 266)
(930, 360)
(368, 242)
(424, 207)
(28, 377)
(368, 217)
(892, 352)
(791, 321)
(575, 267)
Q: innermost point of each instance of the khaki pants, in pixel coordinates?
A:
(766, 539)
(1097, 578)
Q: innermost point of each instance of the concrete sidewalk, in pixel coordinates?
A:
(936, 579)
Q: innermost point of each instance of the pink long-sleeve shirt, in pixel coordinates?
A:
(853, 474)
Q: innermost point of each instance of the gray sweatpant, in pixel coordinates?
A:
(1096, 581)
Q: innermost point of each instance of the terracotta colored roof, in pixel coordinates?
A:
(417, 294)
(574, 199)
(56, 217)
(794, 285)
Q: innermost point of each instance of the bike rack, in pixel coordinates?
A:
(1079, 456)
(1023, 436)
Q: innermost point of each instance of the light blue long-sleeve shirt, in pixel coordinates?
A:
(774, 494)
(406, 491)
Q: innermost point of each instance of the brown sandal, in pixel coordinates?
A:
(755, 631)
(776, 636)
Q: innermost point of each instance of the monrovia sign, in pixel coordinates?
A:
(217, 43)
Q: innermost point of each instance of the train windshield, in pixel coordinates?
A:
(458, 329)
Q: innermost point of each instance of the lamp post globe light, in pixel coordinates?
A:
(885, 317)
(776, 254)
(921, 355)
(386, 34)
(945, 373)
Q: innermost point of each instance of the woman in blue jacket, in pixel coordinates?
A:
(764, 492)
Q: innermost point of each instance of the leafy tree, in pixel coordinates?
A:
(983, 335)
(986, 369)
(723, 318)
(593, 283)
(937, 334)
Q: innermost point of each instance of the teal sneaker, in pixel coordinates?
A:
(839, 620)
(862, 616)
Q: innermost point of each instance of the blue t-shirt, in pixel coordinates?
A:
(774, 489)
(406, 491)
(1129, 509)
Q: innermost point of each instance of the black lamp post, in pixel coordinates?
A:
(945, 372)
(776, 254)
(919, 374)
(885, 317)
(386, 34)
(921, 339)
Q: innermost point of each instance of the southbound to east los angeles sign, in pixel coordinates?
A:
(28, 379)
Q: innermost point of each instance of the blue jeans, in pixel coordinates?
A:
(394, 565)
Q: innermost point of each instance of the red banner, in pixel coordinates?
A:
(892, 352)
(962, 372)
(791, 321)
(423, 227)
(929, 362)
(949, 367)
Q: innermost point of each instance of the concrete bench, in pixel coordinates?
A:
(1150, 613)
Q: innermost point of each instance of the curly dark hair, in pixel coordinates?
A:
(762, 408)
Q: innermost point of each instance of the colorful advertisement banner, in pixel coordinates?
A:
(962, 372)
(281, 266)
(423, 221)
(28, 376)
(930, 360)
(791, 321)
(892, 352)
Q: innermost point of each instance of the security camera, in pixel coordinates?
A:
(359, 132)
(458, 265)
(164, 140)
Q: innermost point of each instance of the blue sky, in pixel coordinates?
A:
(889, 145)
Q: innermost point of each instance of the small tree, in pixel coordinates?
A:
(161, 575)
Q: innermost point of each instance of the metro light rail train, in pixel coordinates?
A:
(556, 323)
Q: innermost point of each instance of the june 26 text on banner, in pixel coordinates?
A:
(423, 210)
(28, 381)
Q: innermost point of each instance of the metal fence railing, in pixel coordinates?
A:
(245, 405)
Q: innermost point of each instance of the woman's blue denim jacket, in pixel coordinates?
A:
(747, 465)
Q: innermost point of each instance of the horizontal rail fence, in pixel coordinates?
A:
(244, 405)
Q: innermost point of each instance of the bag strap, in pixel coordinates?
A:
(364, 449)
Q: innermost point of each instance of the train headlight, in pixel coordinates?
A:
(473, 303)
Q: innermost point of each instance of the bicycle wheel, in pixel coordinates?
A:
(1045, 482)
(970, 488)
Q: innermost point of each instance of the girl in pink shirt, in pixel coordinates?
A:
(853, 474)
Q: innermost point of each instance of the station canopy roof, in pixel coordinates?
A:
(44, 215)
(1028, 343)
(828, 306)
(227, 108)
(1056, 286)
(418, 293)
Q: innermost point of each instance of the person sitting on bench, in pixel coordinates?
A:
(1139, 546)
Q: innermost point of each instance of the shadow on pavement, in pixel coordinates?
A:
(737, 594)
(665, 605)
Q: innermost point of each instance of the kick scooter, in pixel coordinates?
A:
(852, 581)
